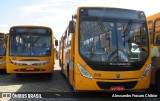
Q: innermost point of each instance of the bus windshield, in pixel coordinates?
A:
(2, 48)
(113, 41)
(30, 44)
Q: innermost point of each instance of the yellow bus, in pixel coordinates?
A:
(154, 28)
(2, 51)
(101, 50)
(61, 48)
(30, 50)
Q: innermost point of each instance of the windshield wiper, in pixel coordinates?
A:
(103, 29)
(127, 29)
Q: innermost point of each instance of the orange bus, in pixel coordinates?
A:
(101, 51)
(154, 28)
(30, 49)
(60, 53)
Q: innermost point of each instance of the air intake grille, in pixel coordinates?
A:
(108, 85)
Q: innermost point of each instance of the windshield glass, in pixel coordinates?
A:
(29, 44)
(107, 41)
(2, 48)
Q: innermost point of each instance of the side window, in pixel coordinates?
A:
(157, 31)
(150, 24)
(65, 40)
(69, 39)
(158, 39)
(157, 26)
(60, 47)
(143, 36)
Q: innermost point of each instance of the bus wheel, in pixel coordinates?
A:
(68, 77)
(62, 70)
(68, 73)
(18, 74)
(158, 81)
(60, 63)
(49, 74)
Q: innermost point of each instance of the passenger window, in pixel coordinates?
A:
(158, 39)
(157, 32)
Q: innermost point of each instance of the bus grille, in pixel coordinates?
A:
(24, 70)
(108, 85)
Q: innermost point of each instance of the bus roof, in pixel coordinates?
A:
(29, 26)
(153, 17)
(2, 33)
(105, 7)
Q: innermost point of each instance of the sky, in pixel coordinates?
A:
(56, 14)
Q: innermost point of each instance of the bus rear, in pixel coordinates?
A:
(30, 50)
(107, 49)
(2, 51)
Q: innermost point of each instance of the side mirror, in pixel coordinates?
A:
(56, 42)
(71, 27)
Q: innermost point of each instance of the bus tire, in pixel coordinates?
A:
(60, 63)
(18, 74)
(62, 69)
(70, 86)
(157, 80)
(49, 74)
(68, 73)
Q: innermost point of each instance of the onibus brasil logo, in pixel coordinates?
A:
(20, 95)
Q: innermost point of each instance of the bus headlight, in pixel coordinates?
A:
(84, 72)
(147, 71)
